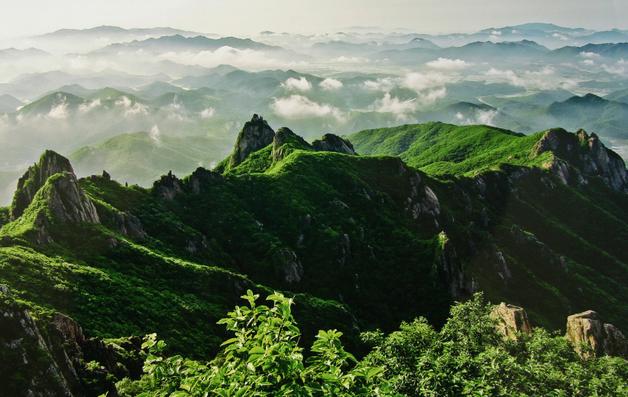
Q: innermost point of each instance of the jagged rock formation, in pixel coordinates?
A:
(285, 141)
(511, 320)
(47, 357)
(67, 201)
(256, 134)
(49, 163)
(333, 143)
(590, 335)
(581, 156)
(168, 186)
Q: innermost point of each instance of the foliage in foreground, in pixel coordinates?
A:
(468, 357)
(262, 359)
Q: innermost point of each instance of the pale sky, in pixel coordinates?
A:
(247, 17)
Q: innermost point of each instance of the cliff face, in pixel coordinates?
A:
(49, 164)
(48, 356)
(256, 134)
(581, 156)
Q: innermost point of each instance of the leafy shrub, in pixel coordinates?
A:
(261, 359)
(468, 357)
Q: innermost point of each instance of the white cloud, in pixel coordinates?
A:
(394, 105)
(424, 81)
(208, 113)
(345, 59)
(589, 55)
(431, 96)
(588, 62)
(330, 84)
(448, 64)
(298, 107)
(294, 84)
(485, 117)
(544, 78)
(59, 111)
(245, 58)
(130, 108)
(381, 84)
(155, 134)
(88, 106)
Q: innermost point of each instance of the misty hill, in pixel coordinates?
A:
(115, 31)
(607, 50)
(497, 52)
(140, 158)
(9, 104)
(618, 96)
(594, 113)
(179, 43)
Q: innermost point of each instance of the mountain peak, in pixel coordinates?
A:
(49, 164)
(256, 134)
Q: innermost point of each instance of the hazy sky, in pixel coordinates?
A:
(245, 17)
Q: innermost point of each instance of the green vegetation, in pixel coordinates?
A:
(262, 358)
(467, 357)
(362, 242)
(439, 149)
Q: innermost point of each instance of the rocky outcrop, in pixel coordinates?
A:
(285, 141)
(581, 156)
(255, 135)
(49, 164)
(47, 357)
(333, 143)
(168, 186)
(511, 320)
(67, 201)
(591, 336)
(291, 267)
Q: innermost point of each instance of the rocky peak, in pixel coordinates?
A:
(49, 164)
(581, 156)
(285, 141)
(333, 143)
(589, 335)
(511, 320)
(168, 186)
(255, 135)
(67, 202)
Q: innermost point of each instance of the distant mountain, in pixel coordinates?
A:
(607, 50)
(594, 113)
(479, 51)
(13, 54)
(607, 36)
(618, 96)
(115, 31)
(179, 43)
(142, 157)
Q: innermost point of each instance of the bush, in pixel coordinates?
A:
(261, 359)
(468, 357)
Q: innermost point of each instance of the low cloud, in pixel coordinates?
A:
(424, 81)
(382, 84)
(130, 108)
(293, 84)
(448, 64)
(330, 84)
(300, 107)
(485, 117)
(89, 106)
(155, 135)
(208, 113)
(542, 79)
(394, 105)
(59, 111)
(589, 55)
